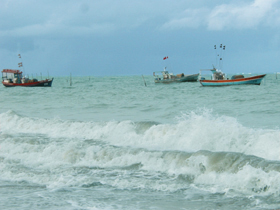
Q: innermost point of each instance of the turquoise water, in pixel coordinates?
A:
(113, 143)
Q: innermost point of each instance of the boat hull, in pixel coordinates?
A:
(187, 78)
(42, 83)
(256, 80)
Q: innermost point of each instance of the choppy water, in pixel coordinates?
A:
(112, 143)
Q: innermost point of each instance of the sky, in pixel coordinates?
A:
(129, 37)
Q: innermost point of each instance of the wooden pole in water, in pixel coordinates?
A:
(144, 81)
(70, 79)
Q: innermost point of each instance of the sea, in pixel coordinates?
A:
(124, 142)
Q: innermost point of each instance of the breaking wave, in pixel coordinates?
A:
(192, 132)
(200, 150)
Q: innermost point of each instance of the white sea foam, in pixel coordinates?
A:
(210, 152)
(192, 132)
(68, 165)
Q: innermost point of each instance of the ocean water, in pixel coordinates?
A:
(114, 143)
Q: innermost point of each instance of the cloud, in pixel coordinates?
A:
(94, 17)
(235, 15)
(49, 18)
(59, 30)
(232, 16)
(86, 18)
(190, 18)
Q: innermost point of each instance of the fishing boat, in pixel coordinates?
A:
(13, 78)
(166, 77)
(219, 79)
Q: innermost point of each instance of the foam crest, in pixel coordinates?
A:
(59, 164)
(203, 130)
(194, 131)
(56, 128)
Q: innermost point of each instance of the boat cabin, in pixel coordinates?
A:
(216, 74)
(165, 75)
(11, 76)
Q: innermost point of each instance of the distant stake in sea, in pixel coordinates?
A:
(144, 80)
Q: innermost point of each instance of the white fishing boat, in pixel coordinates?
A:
(167, 77)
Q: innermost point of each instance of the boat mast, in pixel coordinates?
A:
(222, 49)
(216, 55)
(20, 65)
(219, 56)
(165, 61)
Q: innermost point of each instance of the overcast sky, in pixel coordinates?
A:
(129, 37)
